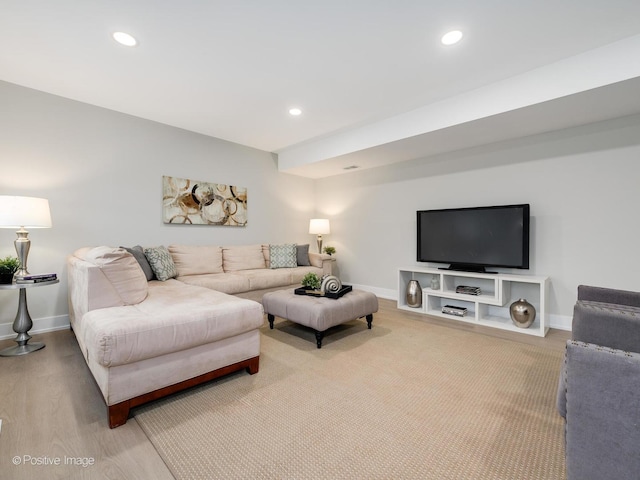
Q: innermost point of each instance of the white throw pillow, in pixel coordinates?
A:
(123, 272)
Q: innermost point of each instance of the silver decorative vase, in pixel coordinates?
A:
(414, 294)
(522, 313)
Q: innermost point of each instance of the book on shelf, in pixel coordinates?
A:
(467, 290)
(454, 310)
(42, 277)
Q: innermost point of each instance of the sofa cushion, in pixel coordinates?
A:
(246, 257)
(121, 269)
(138, 254)
(283, 256)
(174, 317)
(302, 255)
(267, 278)
(161, 262)
(196, 259)
(231, 283)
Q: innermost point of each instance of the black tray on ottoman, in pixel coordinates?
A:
(316, 293)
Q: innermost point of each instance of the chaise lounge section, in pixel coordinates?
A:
(147, 330)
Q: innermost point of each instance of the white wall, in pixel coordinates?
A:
(582, 185)
(102, 173)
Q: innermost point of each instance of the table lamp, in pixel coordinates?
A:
(319, 226)
(21, 213)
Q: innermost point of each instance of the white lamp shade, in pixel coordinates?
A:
(31, 212)
(319, 226)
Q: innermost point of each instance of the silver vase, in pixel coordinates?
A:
(414, 294)
(522, 313)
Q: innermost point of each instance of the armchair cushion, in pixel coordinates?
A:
(602, 412)
(615, 326)
(608, 295)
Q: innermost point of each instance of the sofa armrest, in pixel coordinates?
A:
(608, 295)
(322, 260)
(602, 412)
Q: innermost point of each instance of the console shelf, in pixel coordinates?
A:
(490, 308)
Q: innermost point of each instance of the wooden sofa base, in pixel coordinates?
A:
(119, 413)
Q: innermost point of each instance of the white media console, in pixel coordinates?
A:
(490, 308)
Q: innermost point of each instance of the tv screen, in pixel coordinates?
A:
(474, 238)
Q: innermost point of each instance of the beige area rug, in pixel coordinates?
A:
(405, 400)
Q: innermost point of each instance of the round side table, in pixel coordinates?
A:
(23, 323)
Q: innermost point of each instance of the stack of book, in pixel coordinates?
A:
(467, 290)
(454, 310)
(41, 277)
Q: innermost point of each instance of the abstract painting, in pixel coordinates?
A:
(194, 202)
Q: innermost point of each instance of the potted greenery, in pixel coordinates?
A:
(311, 281)
(8, 266)
(329, 250)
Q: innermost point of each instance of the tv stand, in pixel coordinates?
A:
(490, 308)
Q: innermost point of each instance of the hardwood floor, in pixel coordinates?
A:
(52, 411)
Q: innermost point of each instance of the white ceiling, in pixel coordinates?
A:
(373, 81)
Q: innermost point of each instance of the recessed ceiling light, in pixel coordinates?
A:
(451, 37)
(295, 111)
(125, 39)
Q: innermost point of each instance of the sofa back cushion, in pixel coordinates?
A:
(246, 257)
(196, 259)
(122, 270)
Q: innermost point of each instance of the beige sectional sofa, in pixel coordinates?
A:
(240, 269)
(145, 338)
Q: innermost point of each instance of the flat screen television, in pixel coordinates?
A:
(474, 239)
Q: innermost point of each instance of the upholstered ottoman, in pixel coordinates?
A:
(319, 313)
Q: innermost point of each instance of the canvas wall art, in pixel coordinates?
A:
(195, 202)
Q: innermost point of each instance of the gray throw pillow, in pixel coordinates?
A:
(303, 255)
(138, 254)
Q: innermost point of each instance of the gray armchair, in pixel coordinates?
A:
(599, 388)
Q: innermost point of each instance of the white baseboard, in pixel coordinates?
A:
(560, 322)
(40, 325)
(385, 293)
(60, 322)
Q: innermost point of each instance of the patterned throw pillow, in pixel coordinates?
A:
(283, 256)
(161, 262)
